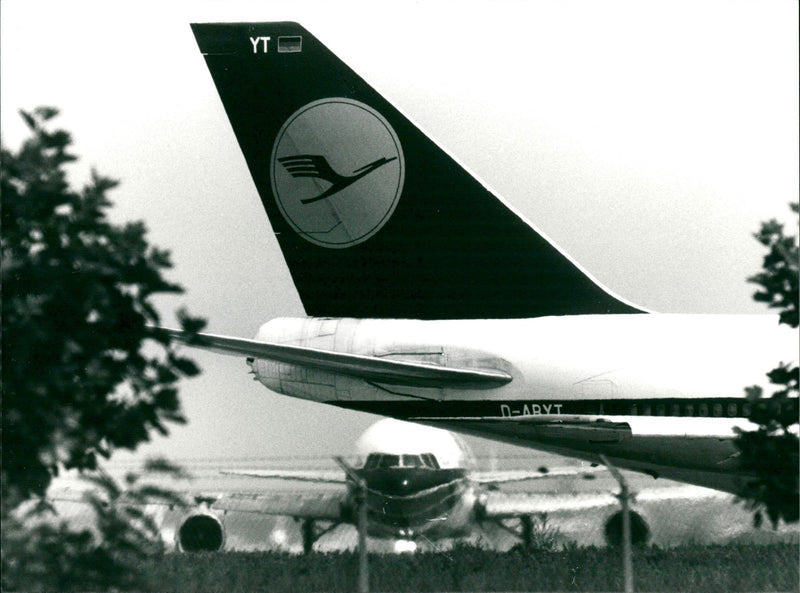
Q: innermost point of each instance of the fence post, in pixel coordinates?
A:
(360, 499)
(363, 566)
(624, 498)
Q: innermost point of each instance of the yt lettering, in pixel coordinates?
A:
(264, 44)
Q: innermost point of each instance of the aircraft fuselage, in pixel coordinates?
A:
(656, 393)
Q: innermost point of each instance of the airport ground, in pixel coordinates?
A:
(711, 569)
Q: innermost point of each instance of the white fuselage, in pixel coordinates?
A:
(654, 392)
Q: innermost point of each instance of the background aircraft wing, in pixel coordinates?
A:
(302, 505)
(508, 505)
(382, 370)
(508, 476)
(82, 493)
(318, 477)
(308, 504)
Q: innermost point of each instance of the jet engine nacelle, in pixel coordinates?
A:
(200, 531)
(640, 530)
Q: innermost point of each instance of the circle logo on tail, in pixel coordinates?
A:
(337, 172)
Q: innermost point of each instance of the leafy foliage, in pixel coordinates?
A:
(83, 371)
(771, 452)
(779, 278)
(43, 553)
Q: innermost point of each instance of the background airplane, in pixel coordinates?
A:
(423, 489)
(420, 485)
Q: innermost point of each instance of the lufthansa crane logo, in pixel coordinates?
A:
(337, 172)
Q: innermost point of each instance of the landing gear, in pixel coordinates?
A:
(533, 531)
(311, 532)
(526, 530)
(307, 530)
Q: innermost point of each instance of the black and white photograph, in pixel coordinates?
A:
(400, 296)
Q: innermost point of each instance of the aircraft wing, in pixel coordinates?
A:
(323, 506)
(81, 493)
(317, 477)
(505, 505)
(306, 504)
(508, 476)
(509, 505)
(392, 372)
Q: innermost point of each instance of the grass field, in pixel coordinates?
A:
(690, 568)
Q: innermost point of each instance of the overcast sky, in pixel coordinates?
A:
(647, 139)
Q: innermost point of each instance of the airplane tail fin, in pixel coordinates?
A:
(374, 218)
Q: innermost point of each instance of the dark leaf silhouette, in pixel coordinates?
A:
(770, 453)
(83, 373)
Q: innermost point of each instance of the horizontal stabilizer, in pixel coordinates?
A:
(369, 368)
(594, 429)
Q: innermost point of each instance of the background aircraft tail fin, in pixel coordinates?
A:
(374, 218)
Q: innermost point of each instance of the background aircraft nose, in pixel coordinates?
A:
(406, 481)
(396, 482)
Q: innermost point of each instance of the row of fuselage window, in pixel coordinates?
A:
(703, 410)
